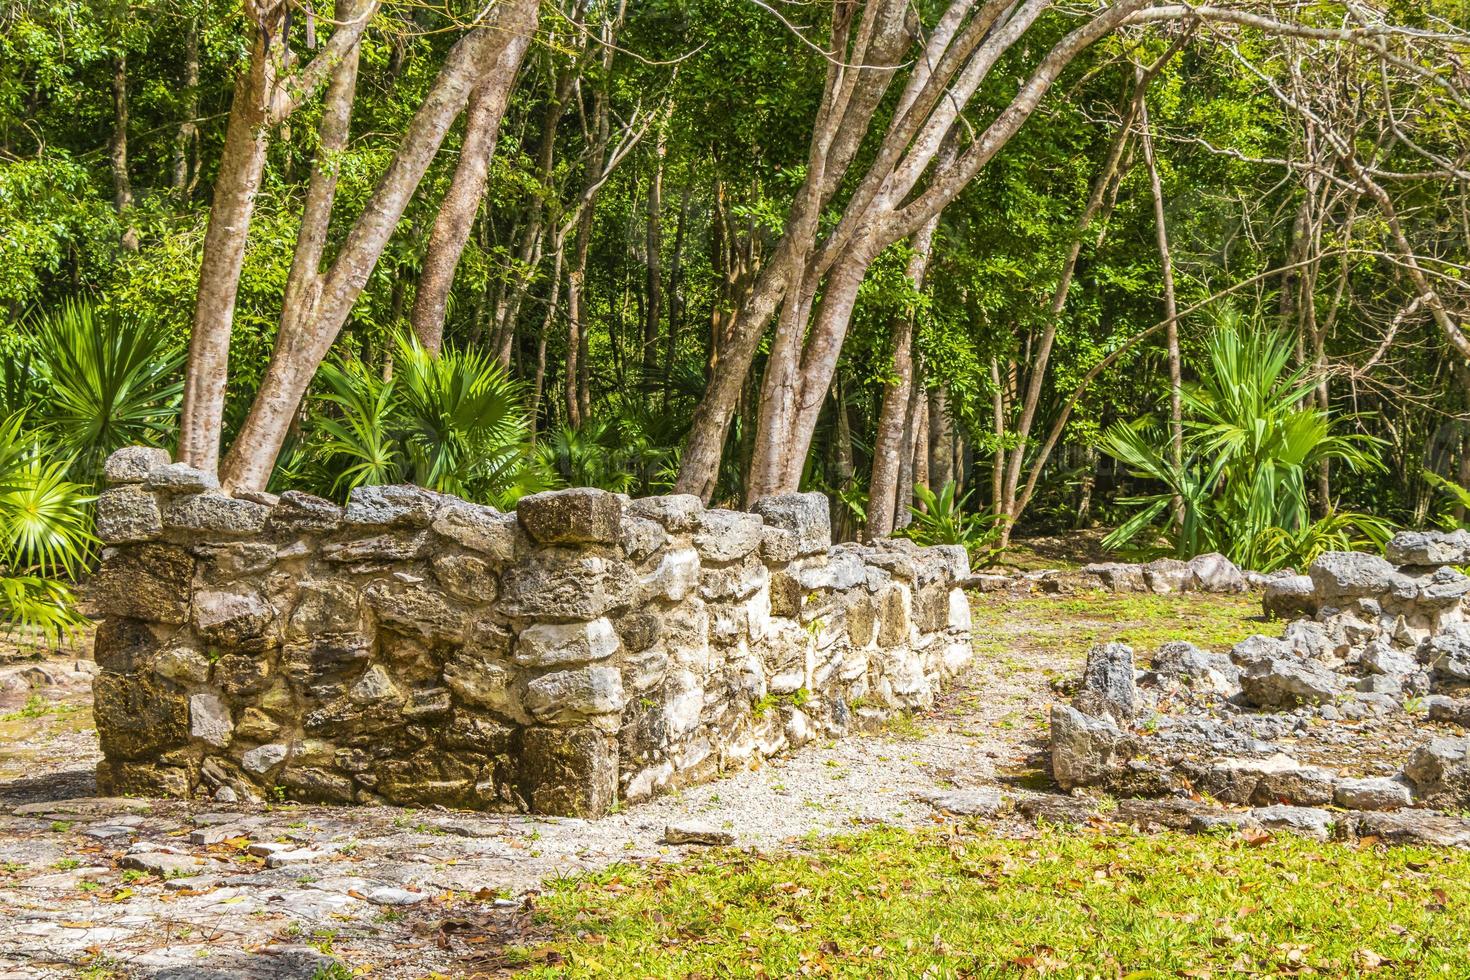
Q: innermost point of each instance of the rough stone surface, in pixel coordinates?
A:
(1214, 572)
(807, 515)
(1085, 750)
(697, 832)
(1288, 596)
(132, 464)
(1107, 684)
(582, 515)
(418, 649)
(1273, 683)
(1375, 793)
(1429, 548)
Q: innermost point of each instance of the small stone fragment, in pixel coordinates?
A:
(697, 832)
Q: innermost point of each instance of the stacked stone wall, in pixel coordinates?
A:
(413, 648)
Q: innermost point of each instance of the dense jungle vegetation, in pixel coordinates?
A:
(1196, 274)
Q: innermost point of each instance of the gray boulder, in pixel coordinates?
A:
(1305, 820)
(1340, 575)
(1428, 548)
(1214, 572)
(1116, 576)
(1289, 596)
(1086, 751)
(1449, 653)
(1277, 683)
(1167, 575)
(807, 515)
(581, 515)
(1107, 684)
(1179, 658)
(1440, 772)
(1374, 793)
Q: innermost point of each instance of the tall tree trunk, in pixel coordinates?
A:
(998, 424)
(941, 438)
(242, 162)
(842, 462)
(259, 102)
(886, 489)
(654, 244)
(122, 184)
(186, 141)
(296, 356)
(457, 212)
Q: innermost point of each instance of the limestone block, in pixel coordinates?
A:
(392, 506)
(132, 464)
(416, 610)
(485, 684)
(138, 716)
(673, 578)
(209, 720)
(214, 513)
(466, 577)
(727, 535)
(128, 514)
(149, 582)
(807, 515)
(642, 537)
(1107, 688)
(555, 585)
(568, 696)
(479, 528)
(561, 644)
(569, 772)
(235, 620)
(581, 515)
(1342, 575)
(298, 511)
(180, 478)
(677, 512)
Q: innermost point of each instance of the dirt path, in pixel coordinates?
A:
(171, 889)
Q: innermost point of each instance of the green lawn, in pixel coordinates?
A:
(1075, 903)
(1072, 623)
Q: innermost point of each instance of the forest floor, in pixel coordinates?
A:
(847, 859)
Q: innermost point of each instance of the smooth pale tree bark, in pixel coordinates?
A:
(886, 490)
(266, 92)
(304, 281)
(122, 183)
(941, 438)
(456, 215)
(888, 205)
(297, 354)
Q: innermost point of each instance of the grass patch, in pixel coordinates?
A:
(894, 904)
(1075, 622)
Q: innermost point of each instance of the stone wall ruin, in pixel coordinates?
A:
(413, 648)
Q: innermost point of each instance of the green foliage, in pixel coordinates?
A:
(1251, 439)
(969, 902)
(44, 534)
(1459, 497)
(941, 519)
(109, 381)
(452, 423)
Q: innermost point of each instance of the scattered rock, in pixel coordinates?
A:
(697, 832)
(983, 801)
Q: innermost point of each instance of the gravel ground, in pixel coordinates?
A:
(154, 888)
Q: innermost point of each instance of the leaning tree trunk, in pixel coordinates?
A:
(297, 355)
(457, 212)
(241, 165)
(885, 489)
(1171, 306)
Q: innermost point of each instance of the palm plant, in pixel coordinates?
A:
(1252, 437)
(586, 456)
(452, 423)
(942, 519)
(109, 381)
(44, 534)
